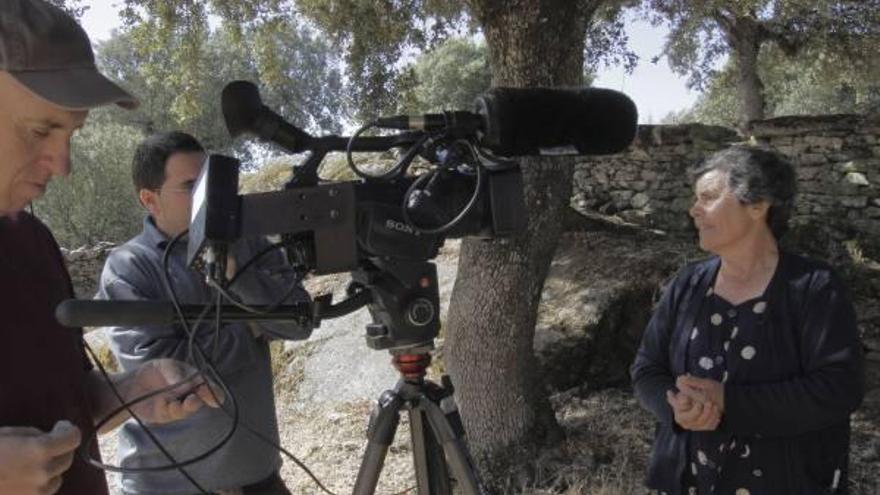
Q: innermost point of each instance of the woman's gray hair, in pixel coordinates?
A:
(756, 174)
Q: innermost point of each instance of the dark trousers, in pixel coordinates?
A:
(273, 485)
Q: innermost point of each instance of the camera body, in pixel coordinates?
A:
(361, 227)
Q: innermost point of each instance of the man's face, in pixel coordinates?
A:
(34, 143)
(170, 205)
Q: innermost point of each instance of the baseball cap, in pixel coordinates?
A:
(44, 49)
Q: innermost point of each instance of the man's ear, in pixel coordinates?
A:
(150, 200)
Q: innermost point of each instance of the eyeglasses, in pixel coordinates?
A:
(186, 188)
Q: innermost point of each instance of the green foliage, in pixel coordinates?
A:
(811, 83)
(375, 39)
(97, 201)
(375, 36)
(701, 32)
(271, 176)
(372, 35)
(72, 7)
(179, 79)
(607, 39)
(450, 77)
(819, 82)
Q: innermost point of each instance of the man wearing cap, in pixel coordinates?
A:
(50, 398)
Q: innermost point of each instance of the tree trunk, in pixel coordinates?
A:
(492, 315)
(746, 39)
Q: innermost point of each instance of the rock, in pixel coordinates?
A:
(872, 371)
(640, 200)
(84, 265)
(811, 159)
(851, 166)
(854, 202)
(592, 316)
(857, 178)
(808, 173)
(649, 175)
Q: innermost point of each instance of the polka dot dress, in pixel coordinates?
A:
(722, 342)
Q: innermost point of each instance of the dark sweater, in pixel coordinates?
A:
(794, 410)
(42, 364)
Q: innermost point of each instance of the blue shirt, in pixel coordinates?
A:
(133, 271)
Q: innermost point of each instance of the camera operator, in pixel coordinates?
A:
(50, 397)
(165, 169)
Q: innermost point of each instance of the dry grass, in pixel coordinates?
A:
(288, 365)
(606, 448)
(107, 359)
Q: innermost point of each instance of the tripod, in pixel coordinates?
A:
(435, 430)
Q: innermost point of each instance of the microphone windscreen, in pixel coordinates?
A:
(536, 121)
(241, 105)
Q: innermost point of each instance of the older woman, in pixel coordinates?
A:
(751, 363)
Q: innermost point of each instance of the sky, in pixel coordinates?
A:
(653, 87)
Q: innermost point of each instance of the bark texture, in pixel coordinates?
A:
(745, 34)
(492, 314)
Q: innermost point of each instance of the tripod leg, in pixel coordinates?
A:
(383, 425)
(432, 476)
(450, 433)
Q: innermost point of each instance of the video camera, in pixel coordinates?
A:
(385, 228)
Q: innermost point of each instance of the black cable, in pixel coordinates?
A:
(241, 422)
(205, 362)
(200, 371)
(245, 307)
(395, 171)
(237, 420)
(83, 451)
(464, 211)
(263, 252)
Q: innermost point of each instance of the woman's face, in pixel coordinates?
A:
(721, 219)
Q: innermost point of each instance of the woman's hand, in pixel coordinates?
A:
(702, 390)
(693, 414)
(698, 404)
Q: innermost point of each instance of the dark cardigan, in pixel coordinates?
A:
(795, 410)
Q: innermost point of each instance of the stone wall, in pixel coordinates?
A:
(837, 159)
(84, 265)
(647, 185)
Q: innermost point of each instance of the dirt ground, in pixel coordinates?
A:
(605, 453)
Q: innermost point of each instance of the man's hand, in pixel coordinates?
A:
(189, 396)
(32, 461)
(231, 267)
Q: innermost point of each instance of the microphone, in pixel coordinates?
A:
(463, 124)
(538, 121)
(244, 112)
(552, 121)
(76, 313)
